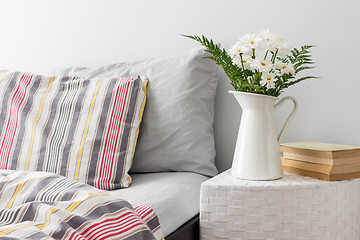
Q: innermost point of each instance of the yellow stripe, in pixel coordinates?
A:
(47, 218)
(73, 205)
(141, 115)
(33, 131)
(86, 128)
(9, 230)
(3, 74)
(69, 209)
(77, 203)
(17, 191)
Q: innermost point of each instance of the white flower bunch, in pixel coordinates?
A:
(260, 63)
(272, 46)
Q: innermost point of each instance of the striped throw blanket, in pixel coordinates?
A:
(40, 205)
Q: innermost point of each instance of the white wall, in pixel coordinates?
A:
(41, 34)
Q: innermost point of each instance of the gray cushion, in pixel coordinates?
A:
(176, 132)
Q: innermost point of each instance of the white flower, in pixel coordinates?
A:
(238, 49)
(268, 36)
(252, 40)
(246, 61)
(275, 43)
(285, 68)
(263, 65)
(283, 49)
(268, 80)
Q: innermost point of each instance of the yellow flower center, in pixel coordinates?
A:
(263, 64)
(239, 51)
(284, 67)
(252, 42)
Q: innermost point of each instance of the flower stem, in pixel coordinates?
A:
(274, 56)
(242, 65)
(253, 53)
(267, 51)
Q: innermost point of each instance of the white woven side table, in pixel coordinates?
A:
(293, 207)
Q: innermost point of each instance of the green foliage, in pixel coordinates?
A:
(222, 58)
(301, 59)
(235, 73)
(245, 80)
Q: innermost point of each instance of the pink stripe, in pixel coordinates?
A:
(144, 211)
(141, 209)
(110, 227)
(18, 98)
(115, 129)
(9, 133)
(112, 136)
(109, 140)
(75, 235)
(89, 230)
(122, 221)
(102, 176)
(113, 227)
(144, 215)
(9, 125)
(114, 132)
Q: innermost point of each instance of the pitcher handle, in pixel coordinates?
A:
(291, 116)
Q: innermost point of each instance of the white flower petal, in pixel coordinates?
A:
(262, 65)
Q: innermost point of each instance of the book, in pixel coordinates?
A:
(321, 153)
(332, 177)
(321, 168)
(321, 160)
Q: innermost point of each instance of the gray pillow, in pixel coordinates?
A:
(176, 133)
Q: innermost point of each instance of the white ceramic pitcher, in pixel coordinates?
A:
(257, 155)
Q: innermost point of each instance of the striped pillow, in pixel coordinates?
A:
(81, 128)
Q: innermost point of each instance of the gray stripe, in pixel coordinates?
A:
(125, 136)
(31, 211)
(47, 128)
(62, 228)
(6, 98)
(69, 194)
(153, 222)
(57, 138)
(2, 184)
(24, 114)
(52, 193)
(100, 131)
(8, 216)
(37, 236)
(39, 187)
(70, 138)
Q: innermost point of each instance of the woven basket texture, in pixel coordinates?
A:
(293, 207)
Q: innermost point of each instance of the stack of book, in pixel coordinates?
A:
(324, 161)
